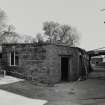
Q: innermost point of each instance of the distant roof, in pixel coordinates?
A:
(96, 53)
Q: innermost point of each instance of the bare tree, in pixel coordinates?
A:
(3, 18)
(27, 39)
(39, 38)
(9, 35)
(63, 34)
(7, 32)
(75, 35)
(49, 30)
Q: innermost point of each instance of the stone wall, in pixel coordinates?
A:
(41, 62)
(59, 51)
(32, 61)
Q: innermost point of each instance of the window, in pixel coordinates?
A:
(14, 59)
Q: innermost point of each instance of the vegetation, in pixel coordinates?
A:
(53, 33)
(63, 34)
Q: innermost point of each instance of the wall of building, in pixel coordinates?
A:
(41, 62)
(32, 61)
(59, 51)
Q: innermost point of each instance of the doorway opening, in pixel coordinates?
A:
(64, 68)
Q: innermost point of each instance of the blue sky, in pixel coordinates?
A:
(85, 15)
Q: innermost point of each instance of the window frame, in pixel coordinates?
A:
(14, 57)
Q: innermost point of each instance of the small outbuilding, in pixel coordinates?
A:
(48, 63)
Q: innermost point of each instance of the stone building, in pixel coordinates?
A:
(49, 63)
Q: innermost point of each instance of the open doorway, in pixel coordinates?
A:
(64, 68)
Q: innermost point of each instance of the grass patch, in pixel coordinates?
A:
(23, 88)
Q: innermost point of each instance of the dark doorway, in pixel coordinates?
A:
(64, 68)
